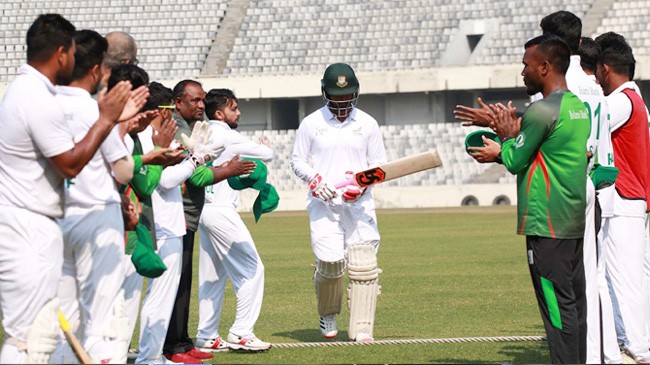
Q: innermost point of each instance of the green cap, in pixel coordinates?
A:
(339, 79)
(474, 139)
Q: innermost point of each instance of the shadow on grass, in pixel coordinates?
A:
(517, 353)
(522, 353)
(311, 335)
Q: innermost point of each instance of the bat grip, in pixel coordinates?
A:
(345, 183)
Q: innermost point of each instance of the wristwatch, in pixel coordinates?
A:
(498, 159)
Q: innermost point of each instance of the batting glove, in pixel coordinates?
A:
(351, 192)
(320, 189)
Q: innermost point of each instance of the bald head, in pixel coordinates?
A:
(121, 49)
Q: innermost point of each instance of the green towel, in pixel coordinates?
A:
(268, 198)
(603, 176)
(144, 257)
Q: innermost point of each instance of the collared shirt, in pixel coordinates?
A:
(329, 147)
(33, 130)
(221, 194)
(94, 185)
(548, 156)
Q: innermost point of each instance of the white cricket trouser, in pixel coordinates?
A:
(227, 252)
(158, 302)
(93, 251)
(31, 258)
(132, 286)
(625, 246)
(335, 227)
(599, 305)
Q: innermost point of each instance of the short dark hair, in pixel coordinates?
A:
(46, 35)
(616, 53)
(179, 89)
(218, 99)
(554, 48)
(91, 48)
(128, 72)
(589, 52)
(566, 25)
(159, 94)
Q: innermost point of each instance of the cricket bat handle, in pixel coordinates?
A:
(82, 355)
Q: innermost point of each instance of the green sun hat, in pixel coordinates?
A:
(475, 139)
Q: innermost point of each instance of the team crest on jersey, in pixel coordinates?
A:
(519, 141)
(357, 132)
(342, 81)
(321, 131)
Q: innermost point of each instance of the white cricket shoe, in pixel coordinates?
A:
(363, 337)
(250, 343)
(211, 344)
(328, 326)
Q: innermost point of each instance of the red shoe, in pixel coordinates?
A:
(194, 352)
(183, 358)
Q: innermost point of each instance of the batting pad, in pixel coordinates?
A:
(43, 333)
(363, 288)
(328, 281)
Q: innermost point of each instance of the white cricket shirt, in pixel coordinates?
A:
(334, 147)
(221, 194)
(94, 185)
(31, 121)
(167, 199)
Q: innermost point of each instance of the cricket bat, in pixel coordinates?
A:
(82, 355)
(394, 169)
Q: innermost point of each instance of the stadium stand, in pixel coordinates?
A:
(173, 37)
(630, 18)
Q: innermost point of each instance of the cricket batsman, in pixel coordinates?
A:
(330, 144)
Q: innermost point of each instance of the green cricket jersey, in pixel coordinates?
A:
(549, 157)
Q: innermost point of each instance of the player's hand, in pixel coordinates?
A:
(506, 123)
(474, 116)
(163, 156)
(237, 167)
(320, 189)
(137, 99)
(111, 103)
(488, 153)
(207, 152)
(163, 136)
(351, 193)
(200, 132)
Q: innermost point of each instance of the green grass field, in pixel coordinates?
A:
(458, 272)
(447, 273)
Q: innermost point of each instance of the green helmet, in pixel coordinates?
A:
(339, 79)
